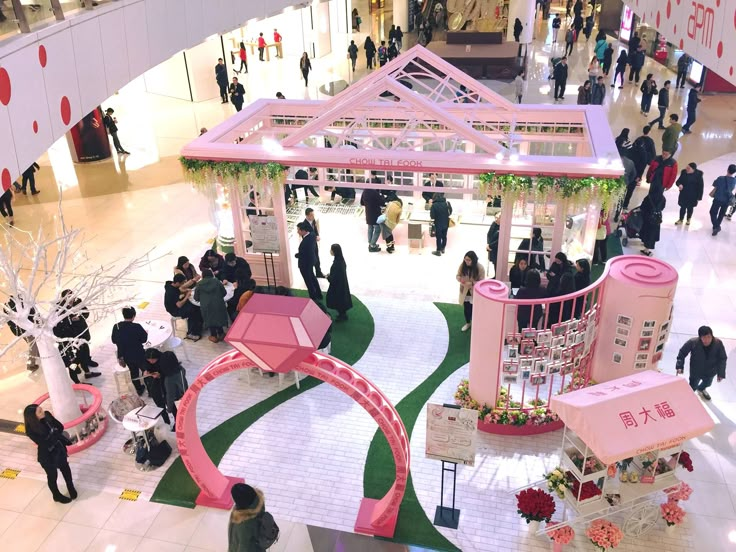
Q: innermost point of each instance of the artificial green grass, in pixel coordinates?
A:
(349, 342)
(413, 526)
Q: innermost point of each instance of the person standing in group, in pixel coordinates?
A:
(560, 76)
(429, 195)
(243, 55)
(221, 78)
(210, 293)
(559, 266)
(440, 214)
(74, 327)
(636, 61)
(29, 178)
(707, 361)
(246, 519)
(651, 212)
(399, 38)
(338, 292)
(526, 315)
(171, 380)
(48, 433)
(370, 52)
(691, 187)
(111, 124)
(129, 337)
(261, 46)
(648, 90)
(492, 244)
(693, 99)
(569, 40)
(382, 54)
(518, 272)
(392, 34)
(527, 248)
(307, 260)
(391, 217)
(621, 62)
(663, 102)
(643, 151)
(662, 170)
(6, 202)
(607, 59)
(682, 66)
(469, 273)
(277, 40)
(671, 135)
(598, 92)
(305, 66)
(311, 219)
(237, 94)
(634, 42)
(561, 311)
(393, 51)
(519, 85)
(353, 54)
(722, 194)
(584, 93)
(372, 201)
(556, 24)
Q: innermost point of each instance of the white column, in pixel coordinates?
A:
(524, 10)
(401, 14)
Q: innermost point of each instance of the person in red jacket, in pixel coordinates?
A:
(662, 170)
(261, 46)
(277, 40)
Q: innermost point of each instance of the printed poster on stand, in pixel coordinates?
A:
(451, 434)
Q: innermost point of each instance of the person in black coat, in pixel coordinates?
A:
(518, 272)
(170, 376)
(338, 294)
(311, 220)
(237, 94)
(560, 76)
(707, 360)
(563, 308)
(536, 244)
(582, 281)
(651, 212)
(214, 261)
(621, 63)
(33, 354)
(221, 79)
(643, 151)
(372, 201)
(48, 433)
(74, 326)
(532, 290)
(440, 214)
(154, 380)
(559, 266)
(370, 52)
(518, 28)
(177, 304)
(129, 337)
(492, 244)
(691, 186)
(232, 265)
(306, 256)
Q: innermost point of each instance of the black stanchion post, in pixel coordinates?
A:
(447, 517)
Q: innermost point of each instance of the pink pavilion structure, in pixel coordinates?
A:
(416, 115)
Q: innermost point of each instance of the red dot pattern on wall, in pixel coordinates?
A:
(675, 31)
(681, 44)
(35, 127)
(66, 110)
(669, 8)
(719, 50)
(5, 88)
(6, 180)
(42, 58)
(657, 19)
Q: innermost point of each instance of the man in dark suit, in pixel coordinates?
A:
(29, 178)
(237, 94)
(221, 79)
(307, 258)
(111, 124)
(312, 221)
(129, 337)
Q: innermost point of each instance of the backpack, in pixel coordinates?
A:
(640, 152)
(267, 532)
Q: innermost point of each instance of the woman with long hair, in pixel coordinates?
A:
(48, 433)
(242, 54)
(468, 274)
(623, 143)
(183, 266)
(338, 294)
(528, 316)
(165, 366)
(305, 66)
(582, 280)
(565, 287)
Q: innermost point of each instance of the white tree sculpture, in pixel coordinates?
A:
(36, 269)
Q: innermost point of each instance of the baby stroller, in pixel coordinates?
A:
(630, 225)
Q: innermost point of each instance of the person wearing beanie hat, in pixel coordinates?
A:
(243, 527)
(707, 360)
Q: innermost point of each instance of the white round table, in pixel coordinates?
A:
(139, 424)
(159, 332)
(229, 292)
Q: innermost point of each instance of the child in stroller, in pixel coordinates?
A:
(630, 225)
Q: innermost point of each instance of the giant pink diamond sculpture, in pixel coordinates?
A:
(278, 332)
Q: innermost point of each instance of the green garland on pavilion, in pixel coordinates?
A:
(202, 173)
(578, 191)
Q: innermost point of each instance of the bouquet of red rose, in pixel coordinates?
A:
(685, 461)
(535, 505)
(589, 490)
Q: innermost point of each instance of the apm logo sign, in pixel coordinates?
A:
(700, 23)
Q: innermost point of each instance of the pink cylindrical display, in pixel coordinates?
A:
(635, 316)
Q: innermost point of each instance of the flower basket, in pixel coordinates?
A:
(672, 513)
(557, 482)
(584, 468)
(584, 493)
(604, 534)
(535, 505)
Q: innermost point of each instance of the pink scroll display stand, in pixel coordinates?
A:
(280, 334)
(635, 316)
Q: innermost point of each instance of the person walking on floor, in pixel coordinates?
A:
(356, 20)
(691, 187)
(129, 337)
(556, 24)
(247, 519)
(210, 293)
(311, 219)
(221, 78)
(48, 433)
(648, 90)
(370, 52)
(621, 62)
(600, 50)
(519, 85)
(643, 151)
(353, 54)
(707, 361)
(663, 102)
(607, 59)
(598, 92)
(399, 38)
(243, 55)
(111, 124)
(6, 202)
(305, 66)
(636, 61)
(693, 99)
(338, 292)
(469, 273)
(651, 211)
(560, 76)
(569, 40)
(440, 214)
(382, 54)
(584, 93)
(307, 259)
(722, 194)
(683, 64)
(261, 46)
(518, 28)
(671, 136)
(237, 94)
(29, 178)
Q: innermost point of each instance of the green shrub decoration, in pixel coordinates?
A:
(202, 173)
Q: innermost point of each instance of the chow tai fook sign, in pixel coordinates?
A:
(383, 163)
(705, 29)
(633, 415)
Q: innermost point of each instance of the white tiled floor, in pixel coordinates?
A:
(311, 467)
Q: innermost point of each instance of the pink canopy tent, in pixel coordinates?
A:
(633, 415)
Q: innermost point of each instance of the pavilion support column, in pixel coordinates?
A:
(284, 257)
(236, 208)
(525, 11)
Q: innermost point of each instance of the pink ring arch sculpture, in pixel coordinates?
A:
(274, 346)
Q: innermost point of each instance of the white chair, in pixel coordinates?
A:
(281, 377)
(174, 343)
(174, 320)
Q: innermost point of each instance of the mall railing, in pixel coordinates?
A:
(17, 16)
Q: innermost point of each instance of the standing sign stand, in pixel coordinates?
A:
(266, 258)
(264, 231)
(451, 439)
